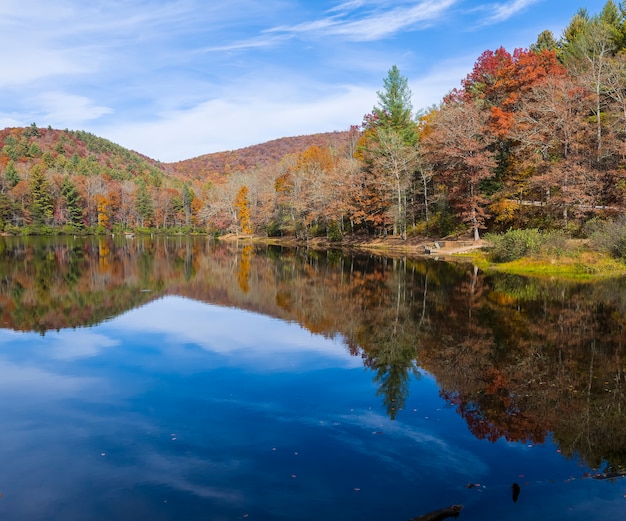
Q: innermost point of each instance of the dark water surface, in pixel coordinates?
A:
(179, 379)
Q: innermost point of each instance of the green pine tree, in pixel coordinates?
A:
(188, 197)
(11, 174)
(545, 42)
(144, 205)
(72, 203)
(395, 109)
(42, 205)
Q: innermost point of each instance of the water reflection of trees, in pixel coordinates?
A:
(517, 358)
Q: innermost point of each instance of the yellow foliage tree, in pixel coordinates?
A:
(242, 207)
(103, 204)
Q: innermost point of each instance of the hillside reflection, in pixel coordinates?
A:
(518, 359)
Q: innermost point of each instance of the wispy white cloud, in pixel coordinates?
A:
(347, 6)
(34, 63)
(372, 25)
(262, 111)
(503, 11)
(430, 87)
(260, 42)
(68, 110)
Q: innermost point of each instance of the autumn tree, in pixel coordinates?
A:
(315, 188)
(167, 203)
(243, 211)
(588, 57)
(398, 161)
(103, 208)
(458, 145)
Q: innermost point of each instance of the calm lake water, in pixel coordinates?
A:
(179, 379)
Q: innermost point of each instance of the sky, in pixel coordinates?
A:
(175, 79)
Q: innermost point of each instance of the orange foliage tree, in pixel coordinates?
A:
(242, 207)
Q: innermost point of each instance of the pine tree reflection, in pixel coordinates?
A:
(520, 359)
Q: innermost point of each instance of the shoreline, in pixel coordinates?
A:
(576, 266)
(450, 248)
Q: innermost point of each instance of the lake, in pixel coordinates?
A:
(184, 379)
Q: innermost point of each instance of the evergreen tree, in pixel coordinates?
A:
(7, 207)
(188, 197)
(33, 150)
(144, 205)
(395, 109)
(613, 18)
(577, 27)
(42, 205)
(388, 149)
(10, 148)
(11, 174)
(72, 202)
(545, 42)
(31, 131)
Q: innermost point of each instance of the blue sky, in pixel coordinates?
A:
(174, 79)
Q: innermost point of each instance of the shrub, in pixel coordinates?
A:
(273, 229)
(38, 229)
(12, 229)
(69, 229)
(334, 232)
(609, 236)
(515, 244)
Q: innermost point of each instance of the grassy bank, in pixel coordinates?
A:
(554, 254)
(528, 252)
(575, 265)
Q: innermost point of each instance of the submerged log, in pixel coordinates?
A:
(442, 513)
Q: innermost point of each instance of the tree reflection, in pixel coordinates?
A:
(518, 358)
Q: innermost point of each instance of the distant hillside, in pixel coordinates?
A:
(80, 152)
(75, 181)
(219, 163)
(72, 151)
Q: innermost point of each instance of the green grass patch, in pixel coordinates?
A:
(574, 264)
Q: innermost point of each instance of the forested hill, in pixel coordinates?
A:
(261, 155)
(74, 152)
(75, 181)
(79, 152)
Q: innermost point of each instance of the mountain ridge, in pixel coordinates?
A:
(51, 143)
(258, 155)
